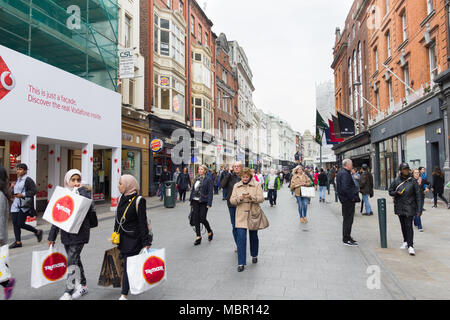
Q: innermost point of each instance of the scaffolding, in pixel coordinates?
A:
(78, 36)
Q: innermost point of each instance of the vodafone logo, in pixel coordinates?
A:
(154, 270)
(63, 209)
(54, 266)
(7, 80)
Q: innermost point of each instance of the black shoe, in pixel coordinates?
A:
(39, 235)
(271, 205)
(255, 259)
(15, 245)
(424, 209)
(241, 268)
(350, 243)
(197, 241)
(210, 236)
(371, 213)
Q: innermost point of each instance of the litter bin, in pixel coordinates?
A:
(170, 195)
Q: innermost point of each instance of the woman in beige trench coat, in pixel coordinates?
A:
(246, 196)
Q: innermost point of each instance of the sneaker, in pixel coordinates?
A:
(240, 268)
(15, 245)
(411, 251)
(420, 230)
(255, 260)
(404, 246)
(66, 296)
(122, 297)
(350, 243)
(39, 235)
(8, 290)
(81, 291)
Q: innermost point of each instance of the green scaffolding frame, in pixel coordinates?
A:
(48, 31)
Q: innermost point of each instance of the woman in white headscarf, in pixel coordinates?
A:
(74, 243)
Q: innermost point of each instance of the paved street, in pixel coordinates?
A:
(295, 261)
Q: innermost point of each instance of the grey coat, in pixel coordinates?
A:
(4, 214)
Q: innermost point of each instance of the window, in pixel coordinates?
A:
(192, 25)
(178, 48)
(224, 76)
(387, 6)
(169, 40)
(202, 69)
(350, 93)
(433, 61)
(429, 6)
(391, 96)
(169, 94)
(181, 6)
(404, 27)
(377, 98)
(388, 44)
(206, 40)
(376, 58)
(156, 36)
(199, 34)
(406, 79)
(127, 32)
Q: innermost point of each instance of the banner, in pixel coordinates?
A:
(337, 130)
(328, 136)
(333, 134)
(346, 125)
(126, 63)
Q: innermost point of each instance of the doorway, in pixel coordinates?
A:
(435, 155)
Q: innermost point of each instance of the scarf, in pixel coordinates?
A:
(68, 176)
(131, 185)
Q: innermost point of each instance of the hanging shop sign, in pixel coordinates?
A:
(156, 145)
(126, 63)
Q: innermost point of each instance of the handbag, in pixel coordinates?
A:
(257, 220)
(26, 202)
(112, 269)
(191, 219)
(308, 192)
(115, 236)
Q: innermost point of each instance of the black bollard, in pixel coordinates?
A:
(382, 221)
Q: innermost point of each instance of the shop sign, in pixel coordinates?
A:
(156, 145)
(165, 82)
(126, 63)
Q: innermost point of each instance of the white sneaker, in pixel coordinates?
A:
(66, 296)
(404, 246)
(122, 297)
(79, 292)
(411, 251)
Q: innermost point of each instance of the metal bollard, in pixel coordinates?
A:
(382, 221)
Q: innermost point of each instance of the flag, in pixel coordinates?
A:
(346, 125)
(318, 137)
(328, 136)
(337, 131)
(319, 121)
(333, 134)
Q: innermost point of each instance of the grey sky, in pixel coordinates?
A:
(289, 46)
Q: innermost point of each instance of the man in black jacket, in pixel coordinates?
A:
(228, 182)
(348, 196)
(165, 176)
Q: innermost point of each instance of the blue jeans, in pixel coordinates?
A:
(224, 193)
(365, 198)
(232, 211)
(417, 219)
(242, 245)
(302, 206)
(322, 190)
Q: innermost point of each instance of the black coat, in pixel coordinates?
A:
(346, 188)
(165, 176)
(206, 191)
(228, 182)
(323, 180)
(422, 188)
(134, 233)
(82, 237)
(437, 183)
(408, 203)
(366, 183)
(183, 181)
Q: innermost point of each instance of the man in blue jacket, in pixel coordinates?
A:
(348, 196)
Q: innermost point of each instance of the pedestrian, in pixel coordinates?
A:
(24, 190)
(8, 285)
(423, 174)
(356, 177)
(298, 180)
(348, 196)
(272, 185)
(224, 189)
(333, 177)
(323, 181)
(165, 176)
(183, 182)
(201, 200)
(228, 182)
(422, 187)
(437, 186)
(131, 223)
(260, 178)
(74, 242)
(175, 178)
(406, 193)
(316, 178)
(246, 196)
(366, 188)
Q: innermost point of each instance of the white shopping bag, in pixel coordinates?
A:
(146, 270)
(31, 221)
(308, 192)
(67, 210)
(5, 273)
(48, 266)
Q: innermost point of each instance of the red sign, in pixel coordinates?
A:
(156, 145)
(63, 209)
(154, 270)
(54, 266)
(7, 81)
(165, 82)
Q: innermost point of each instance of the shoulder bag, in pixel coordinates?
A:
(115, 236)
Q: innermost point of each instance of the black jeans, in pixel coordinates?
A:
(199, 213)
(18, 220)
(348, 213)
(125, 282)
(272, 195)
(407, 229)
(435, 196)
(182, 194)
(74, 260)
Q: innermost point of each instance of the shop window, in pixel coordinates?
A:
(198, 118)
(165, 99)
(131, 163)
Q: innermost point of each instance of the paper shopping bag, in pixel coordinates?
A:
(146, 270)
(308, 192)
(112, 269)
(5, 273)
(31, 221)
(67, 210)
(48, 266)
